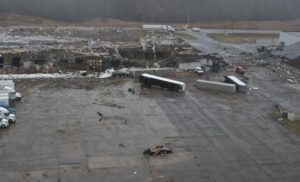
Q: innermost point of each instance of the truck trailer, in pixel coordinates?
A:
(156, 81)
(8, 86)
(215, 86)
(240, 85)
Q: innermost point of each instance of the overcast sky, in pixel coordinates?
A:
(156, 10)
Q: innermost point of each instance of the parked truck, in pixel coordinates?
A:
(9, 87)
(5, 114)
(4, 98)
(13, 95)
(3, 123)
(12, 114)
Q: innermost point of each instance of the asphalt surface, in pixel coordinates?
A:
(234, 138)
(214, 137)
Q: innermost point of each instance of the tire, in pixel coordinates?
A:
(10, 121)
(2, 126)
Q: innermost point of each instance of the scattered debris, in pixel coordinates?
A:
(107, 74)
(131, 90)
(100, 115)
(122, 145)
(110, 104)
(158, 150)
(240, 70)
(121, 73)
(291, 81)
(26, 175)
(286, 115)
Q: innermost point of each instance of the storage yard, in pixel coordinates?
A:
(86, 114)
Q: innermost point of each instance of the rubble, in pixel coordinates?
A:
(100, 115)
(290, 116)
(158, 150)
(50, 49)
(285, 71)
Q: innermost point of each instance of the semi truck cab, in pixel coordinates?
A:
(3, 123)
(6, 114)
(13, 95)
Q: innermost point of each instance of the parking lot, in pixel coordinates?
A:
(214, 137)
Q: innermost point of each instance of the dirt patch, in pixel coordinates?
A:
(82, 83)
(293, 126)
(109, 104)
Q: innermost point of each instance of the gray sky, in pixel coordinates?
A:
(156, 10)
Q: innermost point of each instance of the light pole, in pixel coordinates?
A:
(188, 15)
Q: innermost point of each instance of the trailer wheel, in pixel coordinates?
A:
(2, 126)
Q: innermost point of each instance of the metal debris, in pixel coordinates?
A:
(158, 150)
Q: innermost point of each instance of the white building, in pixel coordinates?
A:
(289, 38)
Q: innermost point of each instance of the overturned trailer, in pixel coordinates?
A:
(240, 85)
(152, 80)
(215, 86)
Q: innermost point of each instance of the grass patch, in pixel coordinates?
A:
(241, 37)
(184, 36)
(293, 126)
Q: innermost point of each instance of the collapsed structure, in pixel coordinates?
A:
(48, 50)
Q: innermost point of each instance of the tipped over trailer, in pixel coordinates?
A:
(215, 86)
(240, 85)
(156, 81)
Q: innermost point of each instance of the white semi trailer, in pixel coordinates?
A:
(8, 86)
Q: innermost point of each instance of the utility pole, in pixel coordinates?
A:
(188, 15)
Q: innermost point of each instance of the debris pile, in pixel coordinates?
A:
(286, 115)
(49, 50)
(285, 71)
(157, 151)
